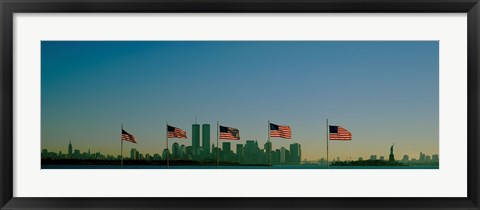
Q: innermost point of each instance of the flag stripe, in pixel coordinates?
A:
(281, 131)
(128, 137)
(229, 133)
(174, 132)
(339, 133)
(228, 136)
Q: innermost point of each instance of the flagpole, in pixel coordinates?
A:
(217, 143)
(270, 146)
(328, 165)
(166, 137)
(121, 147)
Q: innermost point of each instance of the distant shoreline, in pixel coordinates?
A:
(143, 162)
(189, 164)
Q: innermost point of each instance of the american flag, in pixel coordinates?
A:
(281, 131)
(174, 132)
(229, 133)
(339, 133)
(128, 137)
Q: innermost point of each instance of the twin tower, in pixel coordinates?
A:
(204, 149)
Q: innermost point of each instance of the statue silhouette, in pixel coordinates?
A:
(391, 157)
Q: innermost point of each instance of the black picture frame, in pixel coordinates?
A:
(9, 7)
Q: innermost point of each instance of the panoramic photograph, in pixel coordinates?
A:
(326, 105)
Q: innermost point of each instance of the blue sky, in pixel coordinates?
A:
(383, 92)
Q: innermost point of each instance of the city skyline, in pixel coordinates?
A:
(176, 154)
(383, 92)
(204, 138)
(180, 152)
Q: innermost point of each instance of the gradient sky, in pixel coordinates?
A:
(383, 92)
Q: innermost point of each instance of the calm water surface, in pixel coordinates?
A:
(232, 167)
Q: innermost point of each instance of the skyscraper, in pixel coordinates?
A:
(176, 151)
(183, 151)
(226, 150)
(276, 156)
(282, 155)
(257, 149)
(70, 150)
(195, 139)
(189, 152)
(249, 151)
(206, 140)
(295, 153)
(268, 150)
(133, 154)
(240, 153)
(214, 152)
(226, 146)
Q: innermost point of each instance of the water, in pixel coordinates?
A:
(233, 167)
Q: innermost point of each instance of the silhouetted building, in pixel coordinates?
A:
(373, 157)
(256, 152)
(287, 155)
(206, 140)
(276, 156)
(166, 153)
(244, 154)
(196, 139)
(435, 158)
(282, 155)
(216, 152)
(250, 151)
(382, 157)
(189, 152)
(76, 154)
(133, 154)
(268, 150)
(421, 157)
(295, 153)
(183, 152)
(240, 152)
(226, 147)
(213, 154)
(176, 151)
(405, 158)
(70, 150)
